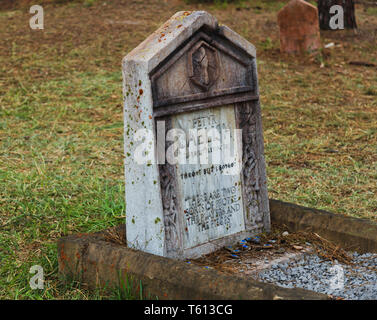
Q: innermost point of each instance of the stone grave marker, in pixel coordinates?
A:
(298, 27)
(191, 93)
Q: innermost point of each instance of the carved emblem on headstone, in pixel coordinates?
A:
(203, 63)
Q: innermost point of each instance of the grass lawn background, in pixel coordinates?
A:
(61, 126)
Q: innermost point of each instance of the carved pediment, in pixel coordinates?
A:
(208, 68)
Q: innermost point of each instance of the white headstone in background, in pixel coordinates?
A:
(190, 91)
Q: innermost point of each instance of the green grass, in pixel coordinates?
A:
(59, 173)
(372, 11)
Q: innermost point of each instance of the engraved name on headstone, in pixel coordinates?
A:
(194, 155)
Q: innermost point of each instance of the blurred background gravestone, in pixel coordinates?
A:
(298, 27)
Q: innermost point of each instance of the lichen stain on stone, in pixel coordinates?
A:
(63, 256)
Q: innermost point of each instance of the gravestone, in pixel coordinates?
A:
(298, 27)
(191, 93)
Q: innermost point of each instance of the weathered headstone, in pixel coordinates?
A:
(298, 27)
(192, 76)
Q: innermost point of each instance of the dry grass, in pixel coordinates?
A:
(272, 245)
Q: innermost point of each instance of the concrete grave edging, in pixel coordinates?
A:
(95, 262)
(355, 234)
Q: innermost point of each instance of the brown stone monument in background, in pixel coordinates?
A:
(298, 25)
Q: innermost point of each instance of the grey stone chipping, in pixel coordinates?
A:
(356, 282)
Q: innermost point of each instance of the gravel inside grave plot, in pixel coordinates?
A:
(354, 282)
(299, 260)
